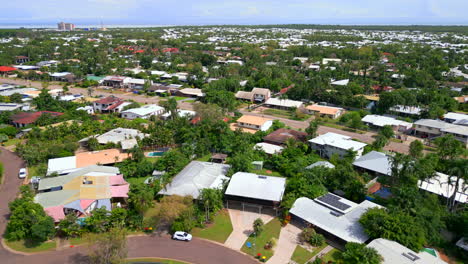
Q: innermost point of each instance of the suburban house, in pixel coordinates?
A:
(126, 137)
(442, 185)
(324, 111)
(143, 112)
(88, 109)
(324, 164)
(8, 107)
(326, 61)
(281, 136)
(378, 121)
(195, 177)
(283, 104)
(190, 92)
(268, 148)
(63, 77)
(66, 165)
(252, 124)
(332, 143)
(405, 110)
(249, 189)
(393, 252)
(258, 95)
(109, 104)
(455, 118)
(115, 81)
(136, 84)
(21, 59)
(23, 119)
(433, 128)
(333, 215)
(375, 163)
(81, 192)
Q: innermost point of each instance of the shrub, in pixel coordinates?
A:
(258, 226)
(317, 240)
(306, 234)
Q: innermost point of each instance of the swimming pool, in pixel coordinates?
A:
(156, 154)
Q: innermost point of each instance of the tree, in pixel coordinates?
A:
(448, 147)
(140, 197)
(311, 130)
(212, 200)
(258, 226)
(386, 131)
(16, 98)
(170, 106)
(109, 247)
(415, 149)
(397, 226)
(69, 226)
(357, 253)
(317, 240)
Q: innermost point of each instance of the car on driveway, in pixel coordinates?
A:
(182, 236)
(22, 173)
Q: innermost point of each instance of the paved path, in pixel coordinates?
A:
(242, 223)
(287, 242)
(321, 253)
(197, 251)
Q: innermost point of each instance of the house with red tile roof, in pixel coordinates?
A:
(6, 69)
(110, 104)
(23, 119)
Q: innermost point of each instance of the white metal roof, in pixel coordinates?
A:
(392, 252)
(341, 82)
(434, 123)
(59, 165)
(269, 148)
(338, 141)
(455, 116)
(119, 134)
(283, 102)
(345, 226)
(251, 185)
(440, 185)
(325, 164)
(145, 110)
(380, 121)
(196, 176)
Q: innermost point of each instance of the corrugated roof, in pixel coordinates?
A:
(254, 120)
(255, 186)
(375, 161)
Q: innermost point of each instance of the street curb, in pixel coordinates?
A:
(221, 244)
(7, 248)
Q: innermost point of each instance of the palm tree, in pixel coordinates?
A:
(457, 179)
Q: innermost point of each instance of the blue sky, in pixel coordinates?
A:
(185, 12)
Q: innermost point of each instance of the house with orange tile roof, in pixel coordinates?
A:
(324, 111)
(67, 165)
(252, 124)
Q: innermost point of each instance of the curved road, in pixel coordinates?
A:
(197, 251)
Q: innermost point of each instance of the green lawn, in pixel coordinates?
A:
(218, 231)
(334, 255)
(302, 255)
(33, 171)
(178, 98)
(271, 229)
(11, 142)
(155, 260)
(24, 246)
(135, 180)
(267, 172)
(190, 101)
(207, 157)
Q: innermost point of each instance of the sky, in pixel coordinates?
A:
(206, 12)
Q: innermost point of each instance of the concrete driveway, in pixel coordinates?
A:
(287, 242)
(242, 222)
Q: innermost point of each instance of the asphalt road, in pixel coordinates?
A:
(197, 251)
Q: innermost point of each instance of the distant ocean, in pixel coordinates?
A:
(54, 26)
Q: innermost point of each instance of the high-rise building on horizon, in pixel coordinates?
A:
(65, 26)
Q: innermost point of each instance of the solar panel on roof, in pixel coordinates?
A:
(333, 201)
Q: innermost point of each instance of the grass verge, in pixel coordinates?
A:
(219, 230)
(334, 255)
(271, 230)
(28, 247)
(155, 260)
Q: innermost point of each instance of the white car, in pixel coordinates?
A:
(182, 236)
(22, 173)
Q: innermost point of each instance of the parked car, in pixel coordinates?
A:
(182, 236)
(22, 173)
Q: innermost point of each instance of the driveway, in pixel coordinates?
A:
(287, 242)
(242, 223)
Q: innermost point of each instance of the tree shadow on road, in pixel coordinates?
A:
(79, 258)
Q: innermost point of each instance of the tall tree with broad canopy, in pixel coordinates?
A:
(357, 253)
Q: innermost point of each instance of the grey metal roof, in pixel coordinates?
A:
(49, 199)
(433, 123)
(345, 226)
(392, 252)
(251, 185)
(375, 161)
(196, 176)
